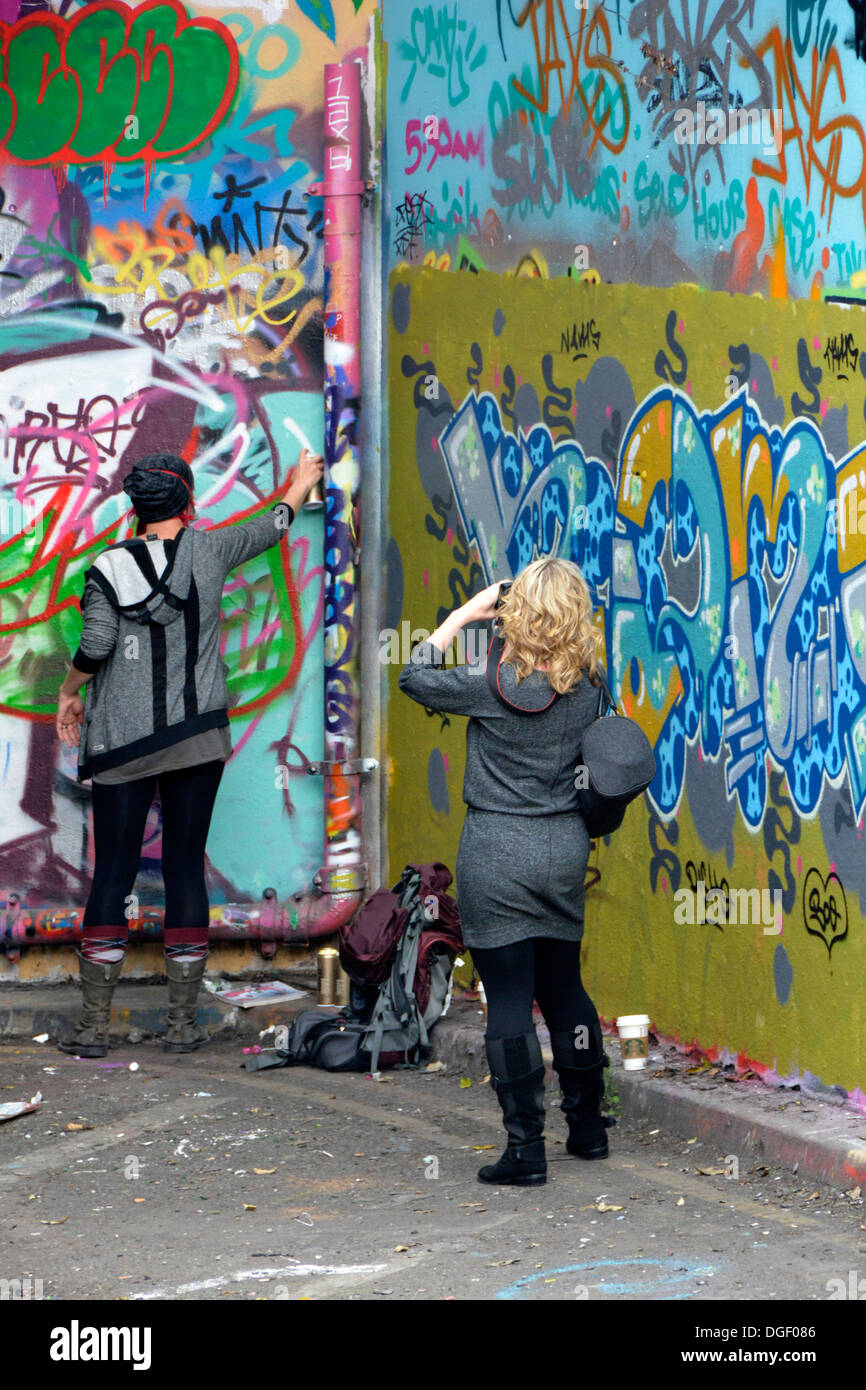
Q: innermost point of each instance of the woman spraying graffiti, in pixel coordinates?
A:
(156, 716)
(524, 847)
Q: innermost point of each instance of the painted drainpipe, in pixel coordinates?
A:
(340, 883)
(343, 877)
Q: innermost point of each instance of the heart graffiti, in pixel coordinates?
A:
(825, 909)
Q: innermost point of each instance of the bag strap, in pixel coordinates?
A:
(605, 699)
(408, 887)
(408, 965)
(397, 991)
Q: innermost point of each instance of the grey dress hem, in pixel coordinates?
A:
(520, 877)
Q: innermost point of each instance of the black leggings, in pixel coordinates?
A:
(539, 968)
(120, 813)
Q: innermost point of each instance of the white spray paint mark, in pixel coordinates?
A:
(198, 390)
(296, 430)
(294, 1271)
(272, 10)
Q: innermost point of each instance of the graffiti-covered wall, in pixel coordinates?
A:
(663, 379)
(653, 141)
(161, 289)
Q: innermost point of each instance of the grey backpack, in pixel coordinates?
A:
(399, 1032)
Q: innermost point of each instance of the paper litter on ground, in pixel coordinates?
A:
(11, 1109)
(248, 996)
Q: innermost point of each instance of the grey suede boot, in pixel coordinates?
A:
(90, 1038)
(517, 1077)
(184, 980)
(582, 1084)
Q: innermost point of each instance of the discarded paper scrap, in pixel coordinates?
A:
(11, 1109)
(248, 996)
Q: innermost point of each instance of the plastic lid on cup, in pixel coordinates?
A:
(633, 1021)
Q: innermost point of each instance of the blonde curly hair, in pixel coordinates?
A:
(546, 619)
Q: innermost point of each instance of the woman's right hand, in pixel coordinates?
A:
(481, 607)
(309, 471)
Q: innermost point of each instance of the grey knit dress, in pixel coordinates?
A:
(524, 848)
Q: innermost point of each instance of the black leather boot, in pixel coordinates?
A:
(517, 1077)
(582, 1085)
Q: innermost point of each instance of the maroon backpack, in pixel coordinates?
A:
(368, 944)
(402, 944)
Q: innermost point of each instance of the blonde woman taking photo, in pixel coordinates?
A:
(524, 847)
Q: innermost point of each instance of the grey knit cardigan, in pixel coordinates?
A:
(151, 638)
(516, 763)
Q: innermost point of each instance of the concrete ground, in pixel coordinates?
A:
(191, 1179)
(813, 1132)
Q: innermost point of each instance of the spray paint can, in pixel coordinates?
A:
(334, 983)
(328, 961)
(344, 987)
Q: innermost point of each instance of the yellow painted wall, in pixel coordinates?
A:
(726, 424)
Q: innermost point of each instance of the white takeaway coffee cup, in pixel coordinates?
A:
(633, 1032)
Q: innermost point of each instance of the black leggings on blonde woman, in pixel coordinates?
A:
(540, 968)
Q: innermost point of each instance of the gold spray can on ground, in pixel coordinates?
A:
(328, 962)
(344, 985)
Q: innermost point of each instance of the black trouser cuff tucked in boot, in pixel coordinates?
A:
(517, 1077)
(581, 1079)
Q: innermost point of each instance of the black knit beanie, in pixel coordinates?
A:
(160, 486)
